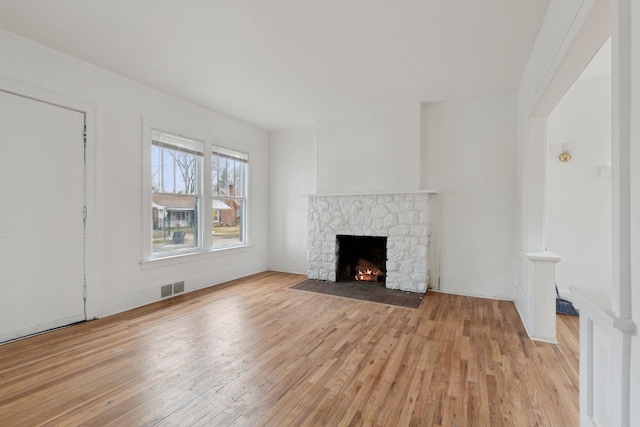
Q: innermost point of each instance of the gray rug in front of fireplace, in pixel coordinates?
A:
(366, 291)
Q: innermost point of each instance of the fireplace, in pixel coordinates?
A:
(402, 219)
(362, 258)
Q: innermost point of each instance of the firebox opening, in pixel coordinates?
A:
(362, 258)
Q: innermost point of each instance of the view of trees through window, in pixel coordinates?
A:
(175, 164)
(177, 201)
(228, 188)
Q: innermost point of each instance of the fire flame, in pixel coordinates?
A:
(367, 275)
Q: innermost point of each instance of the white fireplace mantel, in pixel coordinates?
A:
(371, 193)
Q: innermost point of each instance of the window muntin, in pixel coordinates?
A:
(229, 169)
(176, 168)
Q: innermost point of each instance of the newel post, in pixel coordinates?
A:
(543, 298)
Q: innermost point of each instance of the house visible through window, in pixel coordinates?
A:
(181, 211)
(176, 164)
(228, 196)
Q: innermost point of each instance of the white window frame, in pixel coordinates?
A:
(205, 247)
(195, 148)
(238, 157)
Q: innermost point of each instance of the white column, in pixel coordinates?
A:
(543, 298)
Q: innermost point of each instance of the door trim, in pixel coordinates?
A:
(89, 109)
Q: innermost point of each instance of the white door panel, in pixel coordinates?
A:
(41, 216)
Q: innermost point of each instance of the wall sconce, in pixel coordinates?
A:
(565, 156)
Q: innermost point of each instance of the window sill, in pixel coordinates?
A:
(165, 261)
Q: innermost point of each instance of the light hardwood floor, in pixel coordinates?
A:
(254, 352)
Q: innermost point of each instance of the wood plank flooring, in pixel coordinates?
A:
(254, 352)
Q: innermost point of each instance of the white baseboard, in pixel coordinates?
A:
(33, 330)
(120, 303)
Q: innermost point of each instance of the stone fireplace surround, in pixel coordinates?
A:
(401, 217)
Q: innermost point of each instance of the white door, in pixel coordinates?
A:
(41, 216)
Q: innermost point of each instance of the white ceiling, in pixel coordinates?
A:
(286, 63)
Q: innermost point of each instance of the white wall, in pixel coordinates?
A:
(293, 172)
(633, 287)
(571, 34)
(465, 150)
(370, 151)
(116, 278)
(579, 191)
(581, 23)
(470, 155)
(634, 255)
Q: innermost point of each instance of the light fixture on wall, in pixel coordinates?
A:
(565, 156)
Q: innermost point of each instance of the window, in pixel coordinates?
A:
(188, 212)
(228, 196)
(176, 165)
